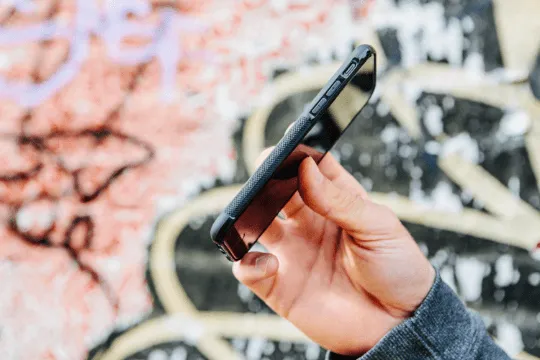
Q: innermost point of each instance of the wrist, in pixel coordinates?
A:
(424, 287)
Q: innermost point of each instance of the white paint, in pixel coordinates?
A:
(447, 275)
(207, 180)
(411, 92)
(239, 344)
(514, 185)
(367, 184)
(244, 293)
(269, 348)
(24, 219)
(448, 102)
(364, 159)
(224, 103)
(390, 134)
(466, 196)
(510, 338)
(226, 168)
(382, 109)
(478, 204)
(368, 111)
(445, 199)
(405, 151)
(113, 265)
(504, 271)
(255, 348)
(462, 145)
(474, 63)
(5, 61)
(347, 150)
(442, 197)
(16, 278)
(313, 351)
(279, 5)
(412, 20)
(416, 173)
(432, 147)
(516, 276)
(423, 248)
(455, 42)
(179, 353)
(534, 279)
(468, 24)
(513, 123)
(342, 32)
(158, 354)
(470, 273)
(285, 346)
(439, 259)
(433, 120)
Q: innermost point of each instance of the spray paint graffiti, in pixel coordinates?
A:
(103, 105)
(469, 216)
(86, 167)
(113, 27)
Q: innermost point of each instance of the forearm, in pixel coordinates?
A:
(441, 329)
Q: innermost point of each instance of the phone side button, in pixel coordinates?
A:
(319, 106)
(350, 69)
(333, 88)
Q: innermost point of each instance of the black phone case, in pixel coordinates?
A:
(285, 146)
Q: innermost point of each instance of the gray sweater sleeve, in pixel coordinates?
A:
(441, 329)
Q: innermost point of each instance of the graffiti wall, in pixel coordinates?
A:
(126, 126)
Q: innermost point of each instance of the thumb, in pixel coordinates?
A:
(345, 207)
(257, 271)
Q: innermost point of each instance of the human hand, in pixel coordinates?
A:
(341, 268)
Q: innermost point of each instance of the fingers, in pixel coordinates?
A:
(334, 172)
(273, 234)
(296, 203)
(263, 155)
(344, 206)
(258, 272)
(331, 169)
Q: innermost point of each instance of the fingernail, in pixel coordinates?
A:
(317, 175)
(261, 264)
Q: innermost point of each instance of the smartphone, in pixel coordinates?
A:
(313, 134)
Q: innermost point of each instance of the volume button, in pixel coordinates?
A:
(349, 70)
(333, 88)
(319, 106)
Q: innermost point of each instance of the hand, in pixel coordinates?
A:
(341, 268)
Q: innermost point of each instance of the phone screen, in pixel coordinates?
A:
(283, 184)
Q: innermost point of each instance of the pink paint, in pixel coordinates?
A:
(74, 243)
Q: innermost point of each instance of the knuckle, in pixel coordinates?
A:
(385, 211)
(390, 217)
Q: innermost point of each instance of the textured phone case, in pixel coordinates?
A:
(283, 149)
(259, 178)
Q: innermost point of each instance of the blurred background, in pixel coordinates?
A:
(127, 125)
